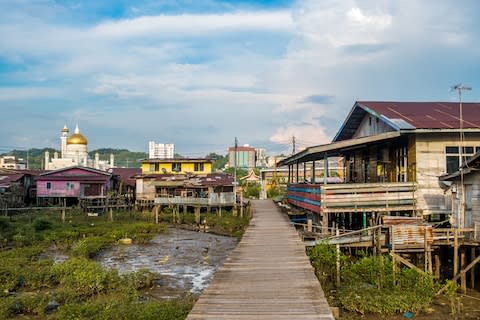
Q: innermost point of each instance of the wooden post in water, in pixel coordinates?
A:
(197, 215)
(325, 223)
(394, 262)
(338, 259)
(64, 209)
(455, 252)
(425, 246)
(463, 277)
(379, 241)
(241, 205)
(437, 266)
(472, 273)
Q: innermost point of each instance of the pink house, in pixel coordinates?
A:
(73, 182)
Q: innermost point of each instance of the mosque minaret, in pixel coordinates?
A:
(74, 152)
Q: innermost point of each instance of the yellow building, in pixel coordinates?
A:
(177, 166)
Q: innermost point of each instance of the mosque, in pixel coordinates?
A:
(74, 152)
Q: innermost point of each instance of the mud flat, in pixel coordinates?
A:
(184, 260)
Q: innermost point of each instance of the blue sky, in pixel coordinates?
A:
(200, 73)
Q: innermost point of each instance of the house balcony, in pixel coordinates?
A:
(351, 198)
(211, 200)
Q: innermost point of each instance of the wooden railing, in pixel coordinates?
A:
(371, 197)
(358, 197)
(213, 199)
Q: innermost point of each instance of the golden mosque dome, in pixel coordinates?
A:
(77, 138)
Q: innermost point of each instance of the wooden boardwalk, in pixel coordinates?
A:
(267, 276)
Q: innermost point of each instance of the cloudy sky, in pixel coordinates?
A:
(199, 73)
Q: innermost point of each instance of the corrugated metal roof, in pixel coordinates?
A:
(126, 175)
(212, 179)
(429, 115)
(412, 235)
(412, 115)
(7, 180)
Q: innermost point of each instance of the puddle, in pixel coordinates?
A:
(184, 260)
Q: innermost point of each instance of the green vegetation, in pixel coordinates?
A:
(219, 160)
(123, 157)
(226, 224)
(78, 288)
(32, 284)
(369, 284)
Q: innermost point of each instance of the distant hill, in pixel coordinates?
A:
(123, 157)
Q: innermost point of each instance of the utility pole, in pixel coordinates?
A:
(293, 145)
(235, 173)
(460, 88)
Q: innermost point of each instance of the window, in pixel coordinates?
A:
(176, 167)
(49, 185)
(69, 185)
(452, 163)
(154, 167)
(198, 167)
(453, 157)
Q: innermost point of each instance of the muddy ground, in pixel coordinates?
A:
(184, 260)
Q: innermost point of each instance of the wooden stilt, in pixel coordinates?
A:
(64, 209)
(197, 215)
(338, 259)
(472, 273)
(455, 252)
(241, 205)
(394, 262)
(463, 277)
(325, 223)
(425, 246)
(156, 214)
(437, 266)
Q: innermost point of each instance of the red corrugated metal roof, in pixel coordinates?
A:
(213, 179)
(428, 115)
(126, 175)
(83, 178)
(6, 180)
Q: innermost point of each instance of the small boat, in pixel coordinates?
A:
(125, 241)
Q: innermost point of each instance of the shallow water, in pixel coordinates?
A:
(184, 260)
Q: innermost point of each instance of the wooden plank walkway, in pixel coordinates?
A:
(267, 276)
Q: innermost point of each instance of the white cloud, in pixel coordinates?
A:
(167, 26)
(240, 72)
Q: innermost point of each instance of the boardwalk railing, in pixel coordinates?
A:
(358, 197)
(213, 199)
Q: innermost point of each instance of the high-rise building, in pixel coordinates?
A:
(241, 157)
(161, 150)
(261, 158)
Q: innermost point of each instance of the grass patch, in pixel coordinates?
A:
(369, 285)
